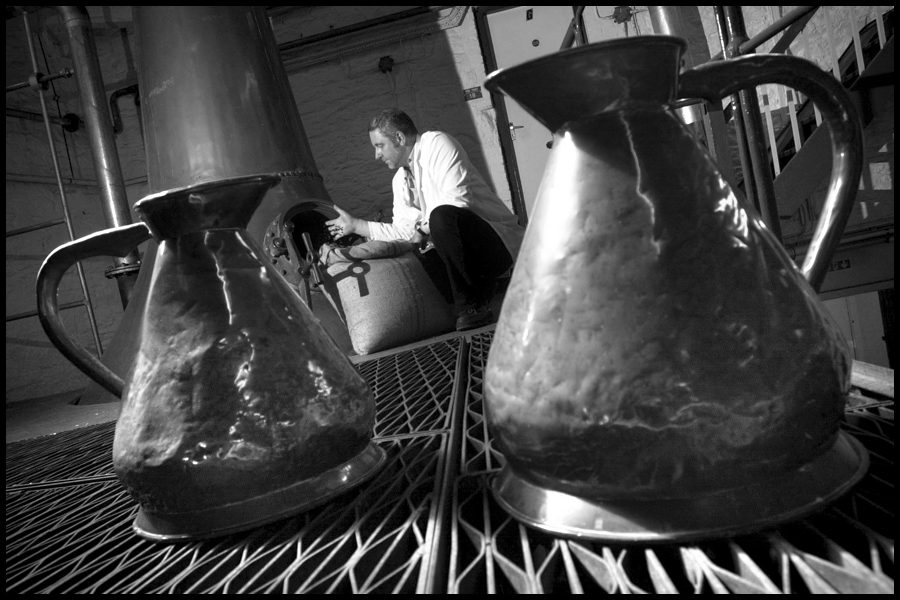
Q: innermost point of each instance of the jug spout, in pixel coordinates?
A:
(221, 204)
(589, 82)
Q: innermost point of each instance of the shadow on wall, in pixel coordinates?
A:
(420, 75)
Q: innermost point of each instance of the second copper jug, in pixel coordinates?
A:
(661, 369)
(239, 408)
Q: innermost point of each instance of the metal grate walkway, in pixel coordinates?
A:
(427, 522)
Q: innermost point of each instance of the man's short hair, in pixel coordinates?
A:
(391, 120)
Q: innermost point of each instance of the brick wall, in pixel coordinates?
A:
(338, 98)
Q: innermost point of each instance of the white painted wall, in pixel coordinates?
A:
(859, 318)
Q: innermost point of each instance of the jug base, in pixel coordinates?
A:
(756, 506)
(260, 510)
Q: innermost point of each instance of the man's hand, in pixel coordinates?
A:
(345, 224)
(418, 238)
(422, 238)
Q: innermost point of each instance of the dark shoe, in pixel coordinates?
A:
(471, 318)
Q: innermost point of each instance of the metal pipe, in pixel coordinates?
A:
(792, 30)
(39, 80)
(41, 179)
(772, 30)
(318, 37)
(776, 27)
(34, 313)
(764, 186)
(69, 122)
(853, 240)
(35, 227)
(103, 145)
(62, 192)
(669, 20)
(131, 90)
(574, 30)
(738, 115)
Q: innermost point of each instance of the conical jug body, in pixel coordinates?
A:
(239, 408)
(660, 368)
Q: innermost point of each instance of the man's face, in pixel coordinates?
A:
(388, 149)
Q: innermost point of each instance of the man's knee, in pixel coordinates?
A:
(443, 217)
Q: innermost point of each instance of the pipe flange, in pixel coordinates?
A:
(282, 251)
(37, 81)
(71, 122)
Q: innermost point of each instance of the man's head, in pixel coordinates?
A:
(392, 134)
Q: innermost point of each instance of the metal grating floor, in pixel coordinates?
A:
(427, 522)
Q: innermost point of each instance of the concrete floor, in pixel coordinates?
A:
(52, 414)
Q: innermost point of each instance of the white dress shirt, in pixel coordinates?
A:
(440, 173)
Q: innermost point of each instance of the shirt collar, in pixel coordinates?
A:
(413, 155)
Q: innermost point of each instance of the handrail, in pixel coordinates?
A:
(752, 144)
(804, 13)
(573, 32)
(759, 188)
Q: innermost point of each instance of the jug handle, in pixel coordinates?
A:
(713, 81)
(109, 242)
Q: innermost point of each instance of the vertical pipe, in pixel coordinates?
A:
(762, 177)
(685, 22)
(62, 191)
(574, 33)
(668, 20)
(103, 144)
(737, 114)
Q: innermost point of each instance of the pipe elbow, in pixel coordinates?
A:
(74, 15)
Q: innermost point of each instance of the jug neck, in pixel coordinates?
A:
(223, 204)
(589, 80)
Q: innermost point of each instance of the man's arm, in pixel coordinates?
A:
(345, 224)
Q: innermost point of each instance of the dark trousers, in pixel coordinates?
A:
(470, 256)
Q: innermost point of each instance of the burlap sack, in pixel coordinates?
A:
(384, 295)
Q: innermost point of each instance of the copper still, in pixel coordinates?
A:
(215, 103)
(661, 369)
(237, 406)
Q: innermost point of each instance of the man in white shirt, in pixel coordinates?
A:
(440, 198)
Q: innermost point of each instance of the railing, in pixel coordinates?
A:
(777, 121)
(784, 120)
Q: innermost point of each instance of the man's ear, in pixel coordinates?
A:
(401, 138)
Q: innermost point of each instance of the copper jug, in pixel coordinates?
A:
(239, 409)
(661, 370)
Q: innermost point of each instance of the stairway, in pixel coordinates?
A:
(807, 171)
